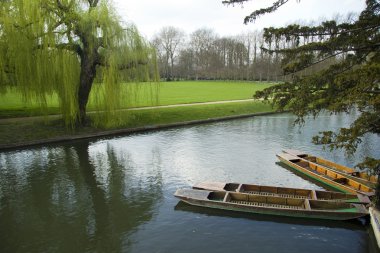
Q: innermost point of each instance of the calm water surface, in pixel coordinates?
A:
(116, 194)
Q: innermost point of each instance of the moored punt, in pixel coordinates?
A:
(251, 203)
(324, 175)
(365, 178)
(284, 192)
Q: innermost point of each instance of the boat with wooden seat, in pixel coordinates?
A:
(337, 180)
(284, 192)
(272, 205)
(362, 177)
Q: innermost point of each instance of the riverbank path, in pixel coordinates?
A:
(57, 116)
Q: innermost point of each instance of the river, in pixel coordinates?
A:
(116, 194)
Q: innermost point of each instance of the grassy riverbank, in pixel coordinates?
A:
(142, 95)
(15, 131)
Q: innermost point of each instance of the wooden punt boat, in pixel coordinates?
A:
(362, 177)
(284, 192)
(334, 179)
(251, 203)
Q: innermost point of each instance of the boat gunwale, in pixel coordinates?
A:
(311, 193)
(227, 194)
(323, 177)
(346, 170)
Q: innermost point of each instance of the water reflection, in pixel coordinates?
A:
(116, 194)
(64, 199)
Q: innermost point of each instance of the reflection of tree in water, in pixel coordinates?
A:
(56, 203)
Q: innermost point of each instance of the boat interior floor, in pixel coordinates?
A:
(241, 202)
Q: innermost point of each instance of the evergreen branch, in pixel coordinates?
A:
(305, 34)
(322, 47)
(335, 85)
(314, 63)
(370, 164)
(318, 31)
(326, 58)
(254, 15)
(350, 66)
(229, 2)
(349, 138)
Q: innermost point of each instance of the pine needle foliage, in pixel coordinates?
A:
(350, 54)
(60, 46)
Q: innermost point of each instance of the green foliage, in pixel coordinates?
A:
(349, 78)
(371, 163)
(58, 46)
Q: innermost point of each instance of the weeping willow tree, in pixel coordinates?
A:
(351, 81)
(60, 46)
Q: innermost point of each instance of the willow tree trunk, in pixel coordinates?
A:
(87, 75)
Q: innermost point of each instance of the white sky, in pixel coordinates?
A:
(151, 15)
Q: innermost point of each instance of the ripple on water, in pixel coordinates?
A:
(116, 194)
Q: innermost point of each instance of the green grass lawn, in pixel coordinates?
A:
(39, 129)
(141, 95)
(157, 116)
(206, 91)
(168, 93)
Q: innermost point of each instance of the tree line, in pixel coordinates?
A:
(204, 54)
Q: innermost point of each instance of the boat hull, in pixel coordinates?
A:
(361, 177)
(287, 213)
(325, 176)
(355, 211)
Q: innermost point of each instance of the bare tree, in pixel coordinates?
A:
(205, 55)
(167, 43)
(202, 42)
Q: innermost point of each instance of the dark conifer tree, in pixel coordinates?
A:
(350, 82)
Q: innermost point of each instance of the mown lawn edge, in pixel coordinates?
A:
(123, 131)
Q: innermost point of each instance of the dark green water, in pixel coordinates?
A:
(116, 194)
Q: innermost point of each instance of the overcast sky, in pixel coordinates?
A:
(151, 15)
